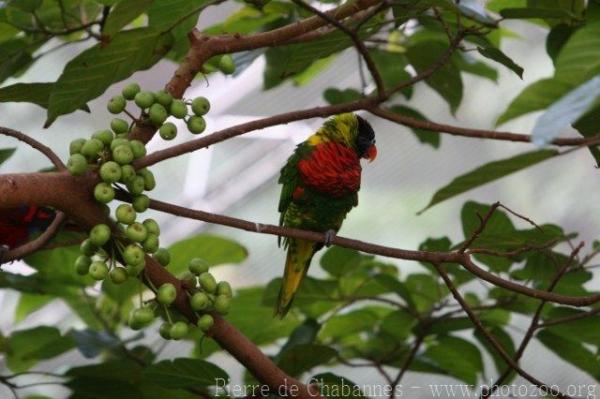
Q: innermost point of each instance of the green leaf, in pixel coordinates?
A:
(338, 261)
(497, 55)
(26, 347)
(469, 64)
(487, 173)
(458, 357)
(587, 126)
(577, 62)
(446, 80)
(117, 378)
(26, 5)
(424, 136)
(185, 373)
(14, 56)
(336, 96)
(392, 68)
(122, 14)
(398, 324)
(335, 387)
(443, 244)
(557, 38)
(582, 330)
(58, 266)
(88, 75)
(424, 290)
(286, 61)
(29, 303)
(572, 351)
(304, 357)
(565, 111)
(91, 343)
(305, 333)
(528, 13)
(213, 249)
(164, 14)
(503, 339)
(6, 153)
(314, 298)
(35, 93)
(341, 325)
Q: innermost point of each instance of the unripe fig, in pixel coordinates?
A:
(151, 243)
(122, 154)
(105, 136)
(118, 275)
(131, 90)
(208, 282)
(178, 330)
(92, 148)
(116, 104)
(163, 98)
(75, 146)
(125, 214)
(162, 256)
(119, 126)
(198, 266)
(196, 124)
(88, 248)
(144, 99)
(168, 131)
(222, 304)
(205, 322)
(110, 172)
(133, 255)
(226, 64)
(157, 114)
(98, 270)
(103, 192)
(100, 234)
(149, 181)
(200, 106)
(77, 164)
(136, 185)
(178, 109)
(199, 301)
(140, 203)
(224, 288)
(165, 330)
(117, 142)
(152, 226)
(138, 148)
(166, 294)
(127, 173)
(82, 265)
(136, 232)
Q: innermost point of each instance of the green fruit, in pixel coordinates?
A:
(200, 106)
(119, 126)
(138, 148)
(162, 256)
(166, 294)
(151, 243)
(92, 148)
(189, 280)
(133, 323)
(136, 185)
(118, 275)
(105, 136)
(149, 181)
(122, 154)
(116, 104)
(100, 234)
(133, 255)
(136, 232)
(198, 266)
(117, 142)
(140, 203)
(224, 288)
(222, 304)
(196, 124)
(98, 270)
(82, 265)
(199, 301)
(178, 109)
(127, 173)
(164, 98)
(208, 282)
(125, 214)
(178, 330)
(226, 64)
(157, 114)
(165, 330)
(152, 226)
(134, 270)
(144, 99)
(77, 164)
(88, 248)
(205, 322)
(110, 172)
(103, 192)
(131, 90)
(75, 146)
(168, 131)
(143, 315)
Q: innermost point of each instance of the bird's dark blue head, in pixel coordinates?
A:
(365, 140)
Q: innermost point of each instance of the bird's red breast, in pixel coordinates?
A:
(17, 224)
(331, 168)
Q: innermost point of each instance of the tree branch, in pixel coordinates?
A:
(36, 244)
(56, 161)
(490, 338)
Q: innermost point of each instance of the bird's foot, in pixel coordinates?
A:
(329, 236)
(3, 250)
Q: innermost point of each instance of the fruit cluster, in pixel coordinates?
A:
(118, 251)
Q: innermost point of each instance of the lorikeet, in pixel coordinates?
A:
(320, 185)
(17, 225)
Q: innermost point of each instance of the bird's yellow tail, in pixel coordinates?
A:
(299, 255)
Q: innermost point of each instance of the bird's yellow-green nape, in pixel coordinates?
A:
(342, 128)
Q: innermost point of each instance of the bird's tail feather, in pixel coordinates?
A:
(299, 255)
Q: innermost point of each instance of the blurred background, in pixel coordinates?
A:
(239, 178)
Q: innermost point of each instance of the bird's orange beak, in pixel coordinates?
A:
(371, 153)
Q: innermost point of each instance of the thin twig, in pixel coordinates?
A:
(51, 155)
